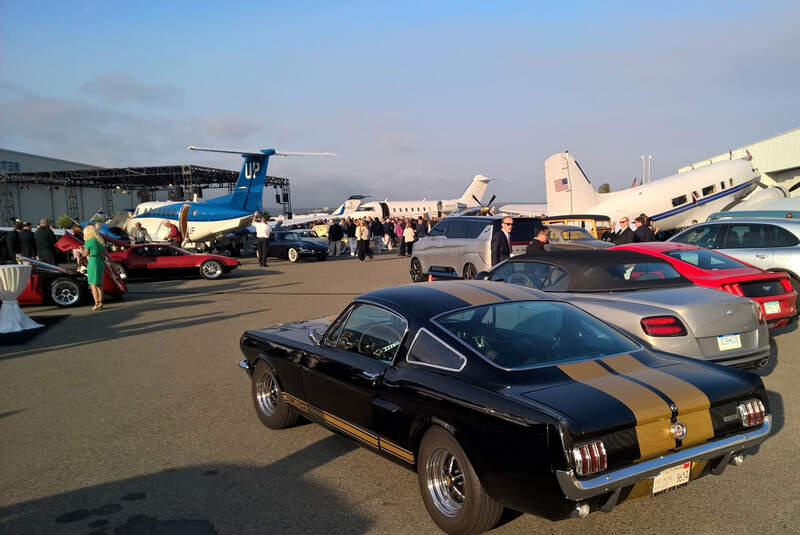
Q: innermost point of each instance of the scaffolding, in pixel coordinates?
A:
(183, 180)
(7, 209)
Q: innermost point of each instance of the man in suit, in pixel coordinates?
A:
(501, 241)
(643, 232)
(27, 244)
(45, 242)
(626, 234)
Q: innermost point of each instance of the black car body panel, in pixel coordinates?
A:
(281, 241)
(517, 426)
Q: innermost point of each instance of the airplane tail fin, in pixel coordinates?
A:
(249, 187)
(568, 189)
(476, 189)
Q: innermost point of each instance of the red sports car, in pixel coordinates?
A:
(155, 259)
(770, 289)
(66, 288)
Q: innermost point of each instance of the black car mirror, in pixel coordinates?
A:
(482, 276)
(315, 336)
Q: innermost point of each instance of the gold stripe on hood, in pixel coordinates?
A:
(651, 412)
(693, 404)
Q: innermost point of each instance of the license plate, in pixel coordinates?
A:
(729, 341)
(672, 478)
(772, 307)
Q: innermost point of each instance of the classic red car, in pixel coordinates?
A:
(66, 287)
(157, 259)
(772, 290)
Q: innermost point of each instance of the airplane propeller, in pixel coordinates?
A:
(485, 208)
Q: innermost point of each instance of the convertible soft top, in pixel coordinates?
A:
(610, 270)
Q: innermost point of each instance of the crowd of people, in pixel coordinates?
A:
(23, 240)
(643, 230)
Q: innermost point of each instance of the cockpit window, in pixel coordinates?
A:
(524, 334)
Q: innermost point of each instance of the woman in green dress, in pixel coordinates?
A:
(93, 250)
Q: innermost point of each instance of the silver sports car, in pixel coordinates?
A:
(648, 298)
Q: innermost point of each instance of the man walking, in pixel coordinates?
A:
(335, 235)
(501, 241)
(45, 242)
(262, 236)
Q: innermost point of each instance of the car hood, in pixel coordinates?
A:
(292, 332)
(636, 391)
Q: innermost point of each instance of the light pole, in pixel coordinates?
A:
(643, 175)
(649, 172)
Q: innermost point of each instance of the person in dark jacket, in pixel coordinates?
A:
(625, 235)
(537, 244)
(45, 242)
(335, 235)
(643, 232)
(501, 241)
(27, 244)
(12, 241)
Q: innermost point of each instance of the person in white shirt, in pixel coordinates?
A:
(262, 235)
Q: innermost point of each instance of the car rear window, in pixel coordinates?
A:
(704, 259)
(524, 334)
(642, 271)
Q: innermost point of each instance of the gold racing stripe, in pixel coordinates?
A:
(651, 412)
(693, 404)
(467, 292)
(354, 431)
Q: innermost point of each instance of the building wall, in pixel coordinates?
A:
(777, 157)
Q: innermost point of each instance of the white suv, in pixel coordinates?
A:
(459, 247)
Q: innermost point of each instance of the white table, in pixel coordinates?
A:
(13, 278)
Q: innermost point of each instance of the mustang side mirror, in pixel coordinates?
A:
(482, 276)
(315, 336)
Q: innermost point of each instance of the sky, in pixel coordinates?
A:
(415, 98)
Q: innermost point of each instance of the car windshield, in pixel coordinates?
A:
(524, 334)
(704, 259)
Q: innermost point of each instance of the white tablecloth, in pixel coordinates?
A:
(13, 278)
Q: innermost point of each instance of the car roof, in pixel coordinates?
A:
(429, 299)
(587, 269)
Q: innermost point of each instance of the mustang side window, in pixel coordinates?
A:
(373, 332)
(428, 350)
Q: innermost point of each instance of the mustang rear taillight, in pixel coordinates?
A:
(732, 289)
(752, 412)
(663, 326)
(786, 285)
(590, 458)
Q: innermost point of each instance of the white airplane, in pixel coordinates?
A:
(524, 209)
(203, 221)
(423, 208)
(672, 202)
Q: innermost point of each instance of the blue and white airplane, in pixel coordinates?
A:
(201, 221)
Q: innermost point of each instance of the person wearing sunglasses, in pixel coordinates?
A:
(625, 235)
(501, 241)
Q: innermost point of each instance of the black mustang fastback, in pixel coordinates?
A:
(502, 396)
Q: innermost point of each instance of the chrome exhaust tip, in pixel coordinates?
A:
(737, 459)
(581, 510)
(762, 363)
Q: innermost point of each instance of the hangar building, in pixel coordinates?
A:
(777, 157)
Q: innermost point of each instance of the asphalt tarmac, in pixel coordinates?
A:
(137, 419)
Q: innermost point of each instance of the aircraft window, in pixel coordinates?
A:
(475, 228)
(704, 236)
(730, 181)
(372, 332)
(440, 229)
(677, 201)
(722, 185)
(427, 350)
(457, 229)
(708, 190)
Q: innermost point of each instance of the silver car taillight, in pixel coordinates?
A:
(590, 458)
(752, 412)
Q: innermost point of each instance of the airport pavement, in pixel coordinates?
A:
(137, 420)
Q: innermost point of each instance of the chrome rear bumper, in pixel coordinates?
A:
(581, 489)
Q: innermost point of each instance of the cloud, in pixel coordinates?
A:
(124, 87)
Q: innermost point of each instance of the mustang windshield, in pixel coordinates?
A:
(522, 334)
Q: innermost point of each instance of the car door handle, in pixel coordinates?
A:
(371, 374)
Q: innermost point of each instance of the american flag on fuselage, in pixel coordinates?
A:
(561, 184)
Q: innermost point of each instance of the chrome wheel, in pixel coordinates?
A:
(267, 393)
(445, 481)
(416, 271)
(211, 269)
(469, 272)
(293, 255)
(65, 292)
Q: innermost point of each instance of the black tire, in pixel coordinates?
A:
(416, 271)
(211, 269)
(453, 495)
(292, 254)
(469, 272)
(66, 292)
(268, 400)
